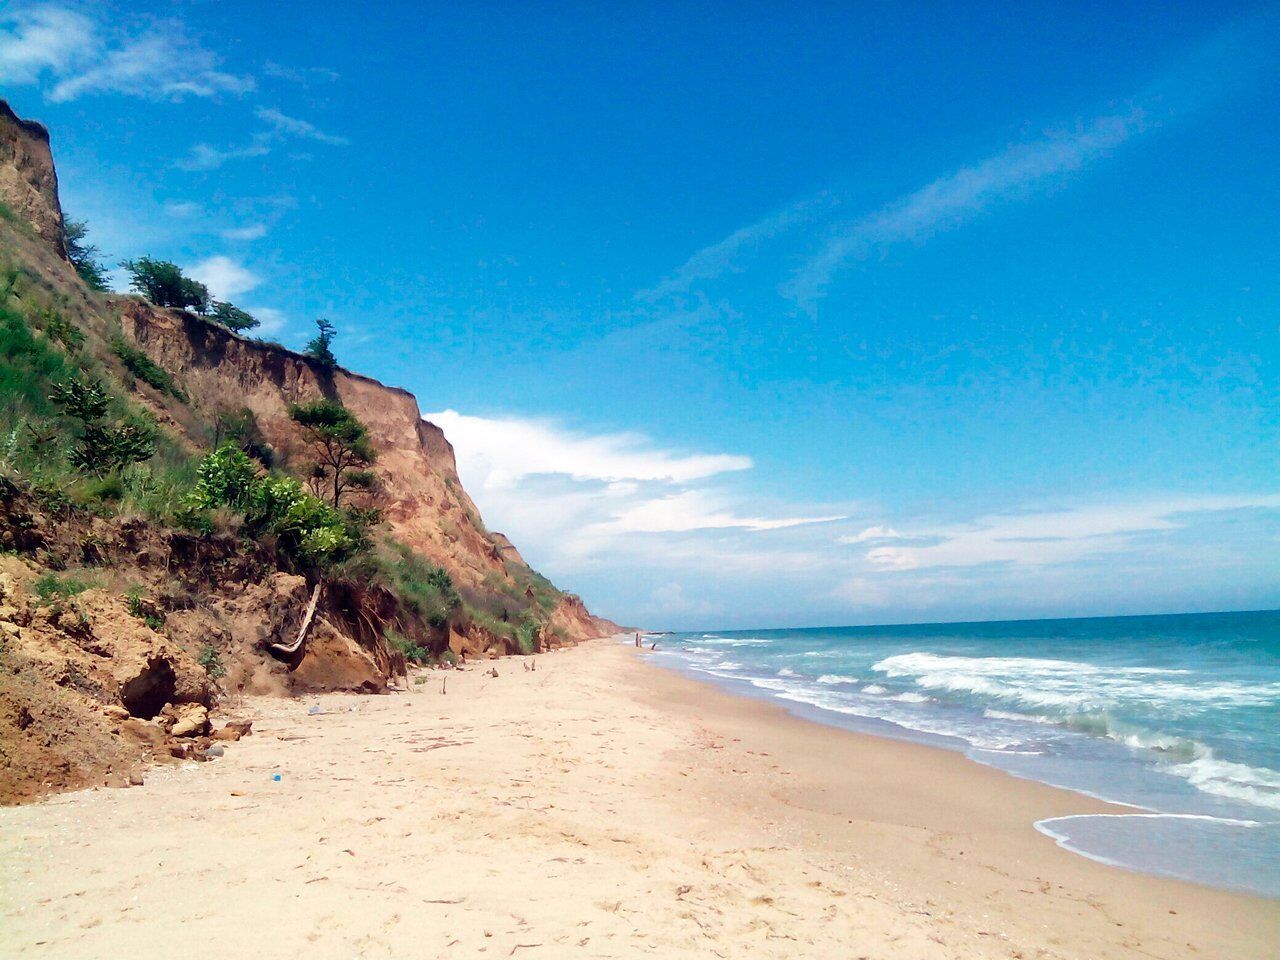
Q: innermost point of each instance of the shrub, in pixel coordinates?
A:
(527, 635)
(425, 589)
(212, 662)
(147, 612)
(412, 652)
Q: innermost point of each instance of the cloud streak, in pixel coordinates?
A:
(81, 56)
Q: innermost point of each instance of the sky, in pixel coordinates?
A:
(746, 316)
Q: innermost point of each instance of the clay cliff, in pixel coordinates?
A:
(118, 629)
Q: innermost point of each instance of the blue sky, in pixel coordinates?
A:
(850, 314)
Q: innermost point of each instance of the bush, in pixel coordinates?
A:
(412, 652)
(425, 589)
(527, 635)
(308, 528)
(212, 662)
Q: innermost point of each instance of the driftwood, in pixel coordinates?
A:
(289, 650)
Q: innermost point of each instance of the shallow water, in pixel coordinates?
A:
(1174, 715)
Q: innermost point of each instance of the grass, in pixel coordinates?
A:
(51, 587)
(412, 652)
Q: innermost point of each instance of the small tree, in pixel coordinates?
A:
(84, 256)
(101, 447)
(232, 317)
(341, 446)
(318, 348)
(165, 285)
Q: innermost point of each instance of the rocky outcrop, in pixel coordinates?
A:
(28, 180)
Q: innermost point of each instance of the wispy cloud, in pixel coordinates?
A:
(725, 255)
(250, 231)
(292, 126)
(35, 41)
(957, 197)
(80, 55)
(1039, 538)
(303, 76)
(203, 157)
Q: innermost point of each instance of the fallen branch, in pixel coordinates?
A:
(290, 649)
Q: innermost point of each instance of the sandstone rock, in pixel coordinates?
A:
(191, 720)
(233, 730)
(116, 712)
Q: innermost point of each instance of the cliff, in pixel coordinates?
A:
(117, 623)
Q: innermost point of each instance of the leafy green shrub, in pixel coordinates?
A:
(212, 662)
(307, 527)
(449, 657)
(527, 635)
(58, 328)
(412, 652)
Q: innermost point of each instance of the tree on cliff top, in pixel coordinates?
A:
(341, 446)
(232, 317)
(319, 346)
(165, 285)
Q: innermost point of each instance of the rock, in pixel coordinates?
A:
(191, 720)
(115, 711)
(233, 730)
(135, 779)
(215, 750)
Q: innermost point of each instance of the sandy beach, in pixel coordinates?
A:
(594, 807)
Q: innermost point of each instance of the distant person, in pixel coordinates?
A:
(637, 641)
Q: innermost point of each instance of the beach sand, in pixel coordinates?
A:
(596, 807)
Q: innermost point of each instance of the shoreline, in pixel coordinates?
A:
(592, 807)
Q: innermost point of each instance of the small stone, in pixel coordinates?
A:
(135, 779)
(115, 711)
(215, 750)
(192, 721)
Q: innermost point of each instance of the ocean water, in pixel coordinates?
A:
(1176, 716)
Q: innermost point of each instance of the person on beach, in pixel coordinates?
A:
(637, 641)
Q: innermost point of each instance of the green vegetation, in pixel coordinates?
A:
(84, 256)
(232, 317)
(319, 348)
(305, 526)
(100, 446)
(165, 285)
(144, 368)
(341, 447)
(212, 662)
(412, 652)
(51, 587)
(425, 589)
(527, 635)
(241, 427)
(142, 609)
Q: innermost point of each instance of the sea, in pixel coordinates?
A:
(1176, 717)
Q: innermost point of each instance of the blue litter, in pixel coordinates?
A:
(275, 777)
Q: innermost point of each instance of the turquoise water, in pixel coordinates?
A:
(1178, 716)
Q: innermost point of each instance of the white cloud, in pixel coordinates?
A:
(181, 208)
(42, 39)
(957, 197)
(225, 278)
(80, 55)
(879, 532)
(270, 320)
(692, 510)
(500, 452)
(204, 157)
(251, 231)
(292, 126)
(1046, 537)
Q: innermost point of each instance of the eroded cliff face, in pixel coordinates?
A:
(28, 180)
(420, 493)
